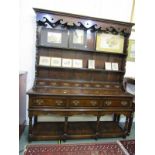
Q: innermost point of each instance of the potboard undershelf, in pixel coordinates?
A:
(78, 130)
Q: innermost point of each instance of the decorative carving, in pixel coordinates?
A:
(55, 20)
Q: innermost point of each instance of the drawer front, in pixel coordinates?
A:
(83, 103)
(72, 113)
(55, 102)
(116, 103)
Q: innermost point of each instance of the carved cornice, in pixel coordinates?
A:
(95, 24)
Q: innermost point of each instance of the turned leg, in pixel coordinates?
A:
(30, 128)
(116, 117)
(126, 127)
(65, 128)
(35, 120)
(130, 122)
(97, 126)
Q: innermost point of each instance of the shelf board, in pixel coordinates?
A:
(55, 130)
(83, 50)
(80, 69)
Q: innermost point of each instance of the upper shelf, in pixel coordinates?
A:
(86, 50)
(81, 69)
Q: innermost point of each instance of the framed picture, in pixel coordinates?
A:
(131, 50)
(56, 61)
(77, 63)
(114, 66)
(91, 64)
(44, 61)
(108, 66)
(53, 37)
(109, 42)
(66, 62)
(77, 39)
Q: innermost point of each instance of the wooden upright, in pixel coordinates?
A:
(69, 91)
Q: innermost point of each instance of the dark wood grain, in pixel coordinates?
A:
(79, 91)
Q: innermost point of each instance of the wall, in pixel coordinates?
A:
(110, 9)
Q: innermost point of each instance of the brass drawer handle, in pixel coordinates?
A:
(76, 102)
(59, 102)
(77, 84)
(108, 103)
(116, 86)
(86, 85)
(42, 83)
(93, 103)
(66, 84)
(39, 102)
(53, 83)
(124, 103)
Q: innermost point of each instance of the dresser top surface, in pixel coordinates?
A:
(77, 88)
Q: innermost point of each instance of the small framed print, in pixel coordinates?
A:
(66, 62)
(53, 37)
(77, 39)
(108, 66)
(131, 50)
(56, 61)
(44, 61)
(114, 66)
(77, 63)
(91, 64)
(109, 42)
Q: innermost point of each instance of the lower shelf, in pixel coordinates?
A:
(75, 130)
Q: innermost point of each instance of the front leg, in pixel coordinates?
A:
(30, 128)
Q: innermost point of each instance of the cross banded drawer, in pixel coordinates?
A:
(83, 103)
(49, 102)
(116, 103)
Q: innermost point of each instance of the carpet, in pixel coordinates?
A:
(129, 145)
(115, 148)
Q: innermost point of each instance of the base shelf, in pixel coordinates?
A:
(75, 130)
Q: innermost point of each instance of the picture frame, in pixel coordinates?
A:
(77, 63)
(91, 64)
(55, 62)
(53, 38)
(108, 66)
(114, 66)
(131, 50)
(108, 42)
(44, 61)
(66, 62)
(77, 39)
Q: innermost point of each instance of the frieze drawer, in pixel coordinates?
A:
(116, 103)
(83, 103)
(56, 102)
